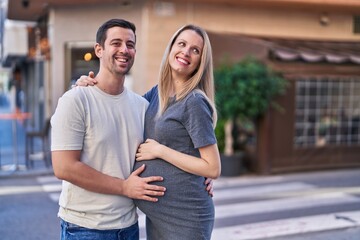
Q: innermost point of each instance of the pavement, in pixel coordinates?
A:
(10, 169)
(12, 149)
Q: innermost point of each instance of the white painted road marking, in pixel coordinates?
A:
(291, 226)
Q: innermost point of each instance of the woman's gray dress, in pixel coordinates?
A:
(186, 211)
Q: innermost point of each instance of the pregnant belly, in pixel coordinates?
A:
(184, 191)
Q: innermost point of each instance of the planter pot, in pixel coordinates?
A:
(232, 165)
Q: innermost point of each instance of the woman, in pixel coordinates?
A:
(181, 144)
(181, 117)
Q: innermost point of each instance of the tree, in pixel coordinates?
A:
(244, 92)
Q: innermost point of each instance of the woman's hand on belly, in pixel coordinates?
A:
(148, 150)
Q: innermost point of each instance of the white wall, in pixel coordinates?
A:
(80, 24)
(287, 23)
(15, 38)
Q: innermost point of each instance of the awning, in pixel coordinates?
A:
(11, 60)
(290, 50)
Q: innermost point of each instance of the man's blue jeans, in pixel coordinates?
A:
(71, 231)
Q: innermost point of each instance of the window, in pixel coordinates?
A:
(356, 24)
(81, 64)
(80, 58)
(327, 112)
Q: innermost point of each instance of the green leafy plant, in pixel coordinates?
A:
(244, 92)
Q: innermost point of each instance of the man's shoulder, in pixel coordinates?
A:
(77, 92)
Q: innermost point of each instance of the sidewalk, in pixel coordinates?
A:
(12, 162)
(9, 168)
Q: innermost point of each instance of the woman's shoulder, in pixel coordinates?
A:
(196, 100)
(196, 96)
(154, 90)
(152, 93)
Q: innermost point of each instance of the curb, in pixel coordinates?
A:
(25, 173)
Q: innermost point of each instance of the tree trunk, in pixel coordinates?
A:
(229, 150)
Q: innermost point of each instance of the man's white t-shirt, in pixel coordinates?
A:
(108, 129)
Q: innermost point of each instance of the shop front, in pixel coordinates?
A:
(319, 127)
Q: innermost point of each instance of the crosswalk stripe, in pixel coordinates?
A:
(241, 192)
(299, 202)
(19, 190)
(51, 187)
(47, 179)
(55, 196)
(285, 227)
(142, 220)
(313, 191)
(225, 182)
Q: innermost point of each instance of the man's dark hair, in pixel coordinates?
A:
(101, 33)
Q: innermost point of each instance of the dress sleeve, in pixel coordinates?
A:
(151, 93)
(198, 121)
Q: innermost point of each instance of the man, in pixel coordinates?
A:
(95, 135)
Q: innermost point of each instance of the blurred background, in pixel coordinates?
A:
(312, 44)
(287, 76)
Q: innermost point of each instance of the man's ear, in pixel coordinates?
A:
(98, 50)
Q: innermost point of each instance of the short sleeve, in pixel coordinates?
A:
(68, 124)
(198, 120)
(151, 93)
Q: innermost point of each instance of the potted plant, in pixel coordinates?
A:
(244, 92)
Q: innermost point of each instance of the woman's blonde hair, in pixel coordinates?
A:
(202, 78)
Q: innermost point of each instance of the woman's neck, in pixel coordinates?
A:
(178, 84)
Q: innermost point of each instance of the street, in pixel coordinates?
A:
(26, 211)
(316, 205)
(290, 206)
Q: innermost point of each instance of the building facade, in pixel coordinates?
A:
(313, 42)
